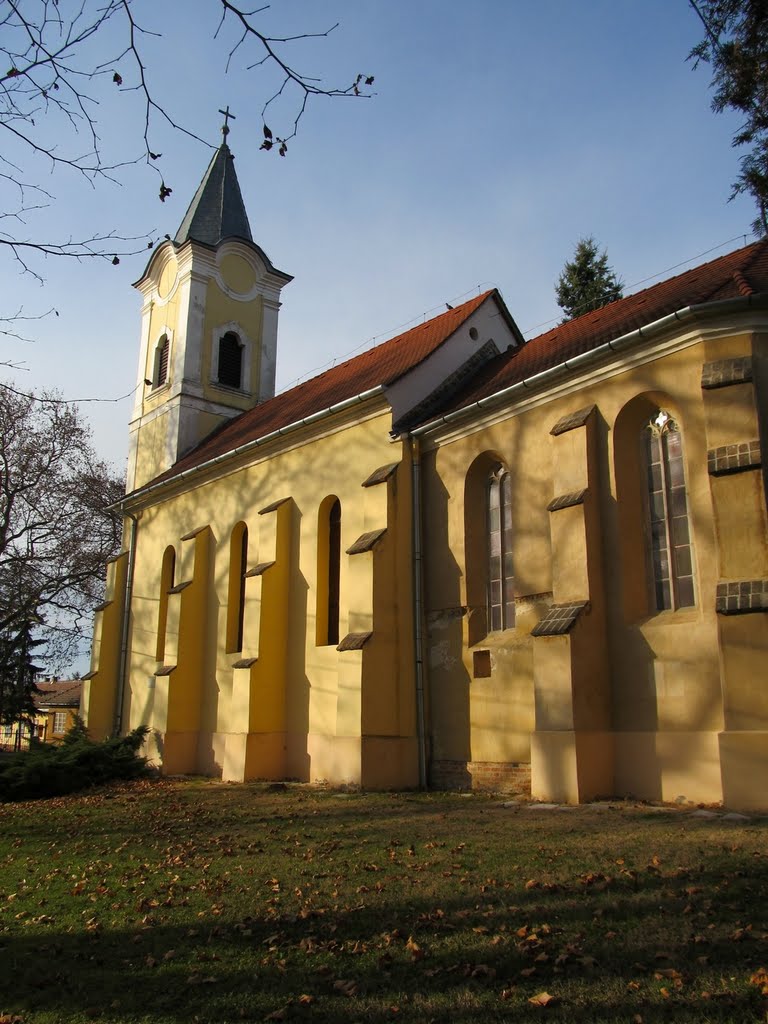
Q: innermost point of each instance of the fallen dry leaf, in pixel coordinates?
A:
(543, 999)
(346, 987)
(483, 971)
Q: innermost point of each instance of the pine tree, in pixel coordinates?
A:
(17, 675)
(587, 282)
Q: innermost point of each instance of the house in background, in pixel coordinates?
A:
(57, 704)
(459, 559)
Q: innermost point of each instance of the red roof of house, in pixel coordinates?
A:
(383, 364)
(737, 274)
(64, 694)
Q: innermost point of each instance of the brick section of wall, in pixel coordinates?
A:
(487, 776)
(733, 458)
(723, 372)
(742, 596)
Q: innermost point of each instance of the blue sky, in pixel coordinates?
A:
(500, 132)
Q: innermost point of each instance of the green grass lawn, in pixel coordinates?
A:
(196, 901)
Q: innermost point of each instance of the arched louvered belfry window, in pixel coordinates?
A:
(671, 544)
(500, 578)
(167, 574)
(230, 360)
(238, 567)
(160, 369)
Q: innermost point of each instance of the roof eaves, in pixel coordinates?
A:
(253, 444)
(594, 355)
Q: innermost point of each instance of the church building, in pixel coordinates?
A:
(458, 560)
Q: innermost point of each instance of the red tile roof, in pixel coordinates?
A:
(737, 274)
(65, 694)
(381, 365)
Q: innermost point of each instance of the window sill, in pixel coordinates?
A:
(669, 617)
(499, 638)
(228, 389)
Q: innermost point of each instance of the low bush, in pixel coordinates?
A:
(77, 763)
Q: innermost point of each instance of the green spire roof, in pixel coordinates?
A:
(217, 211)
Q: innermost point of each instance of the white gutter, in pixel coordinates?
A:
(595, 355)
(418, 610)
(122, 668)
(257, 442)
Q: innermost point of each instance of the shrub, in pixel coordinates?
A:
(78, 762)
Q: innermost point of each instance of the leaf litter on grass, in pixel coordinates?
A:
(170, 901)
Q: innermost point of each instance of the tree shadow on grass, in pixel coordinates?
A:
(605, 948)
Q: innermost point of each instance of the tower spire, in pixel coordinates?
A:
(217, 210)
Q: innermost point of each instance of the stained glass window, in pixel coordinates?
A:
(671, 545)
(501, 601)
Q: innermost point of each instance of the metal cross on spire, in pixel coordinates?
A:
(225, 126)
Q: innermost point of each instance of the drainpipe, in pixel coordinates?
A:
(418, 609)
(122, 668)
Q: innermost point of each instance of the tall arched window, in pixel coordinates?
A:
(328, 571)
(500, 570)
(671, 547)
(238, 567)
(160, 368)
(167, 574)
(230, 360)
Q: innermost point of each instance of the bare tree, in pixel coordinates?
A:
(55, 530)
(58, 58)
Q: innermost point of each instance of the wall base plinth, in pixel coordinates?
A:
(744, 767)
(669, 766)
(177, 752)
(334, 759)
(571, 767)
(390, 762)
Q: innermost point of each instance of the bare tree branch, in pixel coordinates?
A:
(57, 58)
(55, 530)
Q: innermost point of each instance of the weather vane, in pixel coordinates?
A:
(225, 126)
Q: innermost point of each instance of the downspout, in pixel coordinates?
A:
(122, 668)
(418, 609)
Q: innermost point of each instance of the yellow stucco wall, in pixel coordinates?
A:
(632, 701)
(654, 732)
(298, 709)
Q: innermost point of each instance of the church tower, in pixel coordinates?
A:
(209, 326)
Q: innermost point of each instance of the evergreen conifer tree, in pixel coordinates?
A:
(17, 676)
(587, 282)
